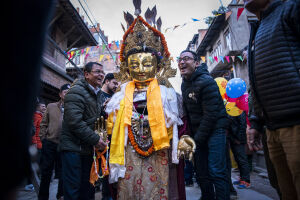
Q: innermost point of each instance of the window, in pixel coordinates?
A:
(77, 60)
(228, 39)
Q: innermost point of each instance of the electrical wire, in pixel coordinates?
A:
(104, 41)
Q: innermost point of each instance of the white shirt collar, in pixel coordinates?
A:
(96, 90)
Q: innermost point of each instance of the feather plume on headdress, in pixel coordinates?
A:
(153, 15)
(137, 6)
(158, 24)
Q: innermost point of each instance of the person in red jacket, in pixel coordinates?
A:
(37, 118)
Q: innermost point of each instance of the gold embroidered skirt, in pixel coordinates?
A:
(145, 178)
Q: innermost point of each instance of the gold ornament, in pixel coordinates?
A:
(186, 147)
(141, 36)
(100, 128)
(142, 66)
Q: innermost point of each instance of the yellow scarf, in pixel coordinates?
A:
(155, 116)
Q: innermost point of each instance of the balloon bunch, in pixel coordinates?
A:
(233, 94)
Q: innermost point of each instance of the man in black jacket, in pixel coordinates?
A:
(81, 109)
(274, 74)
(208, 122)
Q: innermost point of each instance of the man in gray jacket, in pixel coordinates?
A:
(81, 109)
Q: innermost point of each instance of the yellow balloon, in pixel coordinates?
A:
(232, 110)
(221, 82)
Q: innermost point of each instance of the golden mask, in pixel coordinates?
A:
(142, 66)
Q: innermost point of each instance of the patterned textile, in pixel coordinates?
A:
(145, 178)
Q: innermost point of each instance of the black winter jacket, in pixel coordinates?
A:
(81, 109)
(237, 128)
(274, 66)
(203, 104)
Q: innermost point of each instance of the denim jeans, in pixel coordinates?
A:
(217, 163)
(76, 175)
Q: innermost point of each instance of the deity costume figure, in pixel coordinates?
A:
(143, 116)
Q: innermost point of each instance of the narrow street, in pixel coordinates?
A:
(260, 190)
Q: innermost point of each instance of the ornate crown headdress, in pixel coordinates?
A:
(140, 35)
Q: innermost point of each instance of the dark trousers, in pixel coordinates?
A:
(49, 156)
(188, 172)
(202, 175)
(76, 175)
(239, 153)
(217, 166)
(270, 168)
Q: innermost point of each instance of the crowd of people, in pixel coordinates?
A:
(150, 131)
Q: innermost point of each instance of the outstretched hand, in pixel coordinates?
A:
(254, 140)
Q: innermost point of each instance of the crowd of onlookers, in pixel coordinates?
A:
(274, 113)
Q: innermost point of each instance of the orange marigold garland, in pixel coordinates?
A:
(136, 146)
(156, 32)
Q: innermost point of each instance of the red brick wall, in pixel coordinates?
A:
(51, 77)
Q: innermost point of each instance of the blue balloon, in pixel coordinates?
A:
(235, 88)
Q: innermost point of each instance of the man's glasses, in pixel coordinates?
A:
(98, 72)
(185, 59)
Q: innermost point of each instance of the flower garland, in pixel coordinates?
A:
(156, 32)
(136, 146)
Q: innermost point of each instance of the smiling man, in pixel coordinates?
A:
(208, 122)
(81, 109)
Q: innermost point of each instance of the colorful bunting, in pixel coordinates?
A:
(227, 58)
(175, 27)
(109, 45)
(227, 15)
(239, 12)
(101, 57)
(232, 57)
(211, 59)
(87, 50)
(222, 58)
(241, 58)
(195, 20)
(114, 58)
(216, 58)
(203, 58)
(117, 43)
(103, 47)
(183, 25)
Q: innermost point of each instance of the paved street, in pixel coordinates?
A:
(260, 190)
